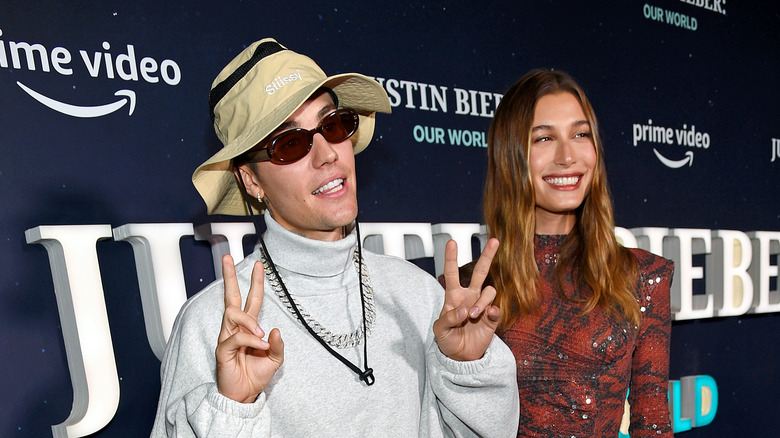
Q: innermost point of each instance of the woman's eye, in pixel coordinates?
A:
(583, 134)
(541, 139)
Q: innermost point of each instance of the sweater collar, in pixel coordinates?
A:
(305, 256)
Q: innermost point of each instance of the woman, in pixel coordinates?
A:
(586, 318)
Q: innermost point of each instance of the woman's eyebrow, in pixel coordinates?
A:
(575, 124)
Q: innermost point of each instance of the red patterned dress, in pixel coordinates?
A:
(573, 371)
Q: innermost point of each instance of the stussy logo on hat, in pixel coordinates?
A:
(280, 81)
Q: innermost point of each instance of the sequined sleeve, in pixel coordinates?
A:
(650, 362)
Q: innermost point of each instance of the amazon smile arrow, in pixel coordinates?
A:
(83, 111)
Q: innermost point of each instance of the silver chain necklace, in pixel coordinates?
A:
(366, 298)
(342, 341)
(367, 374)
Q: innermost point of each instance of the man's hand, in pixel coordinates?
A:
(245, 362)
(468, 319)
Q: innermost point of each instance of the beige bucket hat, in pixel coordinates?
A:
(254, 94)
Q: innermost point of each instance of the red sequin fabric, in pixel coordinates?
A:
(574, 371)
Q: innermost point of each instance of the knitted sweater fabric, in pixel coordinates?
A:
(418, 392)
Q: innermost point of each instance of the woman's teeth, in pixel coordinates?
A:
(563, 181)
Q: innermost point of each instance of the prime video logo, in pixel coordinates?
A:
(688, 138)
(125, 66)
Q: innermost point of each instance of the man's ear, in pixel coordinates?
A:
(251, 181)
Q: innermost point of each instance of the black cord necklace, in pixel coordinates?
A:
(366, 375)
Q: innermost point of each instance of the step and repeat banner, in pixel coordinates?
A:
(104, 116)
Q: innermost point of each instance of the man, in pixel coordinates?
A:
(359, 357)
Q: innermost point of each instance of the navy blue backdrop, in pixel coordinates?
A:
(710, 67)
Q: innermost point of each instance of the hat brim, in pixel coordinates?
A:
(215, 180)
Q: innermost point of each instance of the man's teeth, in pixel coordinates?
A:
(563, 181)
(335, 184)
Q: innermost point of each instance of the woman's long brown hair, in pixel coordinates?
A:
(590, 250)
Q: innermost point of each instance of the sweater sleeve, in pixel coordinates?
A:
(475, 398)
(190, 404)
(648, 394)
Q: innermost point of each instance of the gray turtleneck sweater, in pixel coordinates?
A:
(418, 391)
